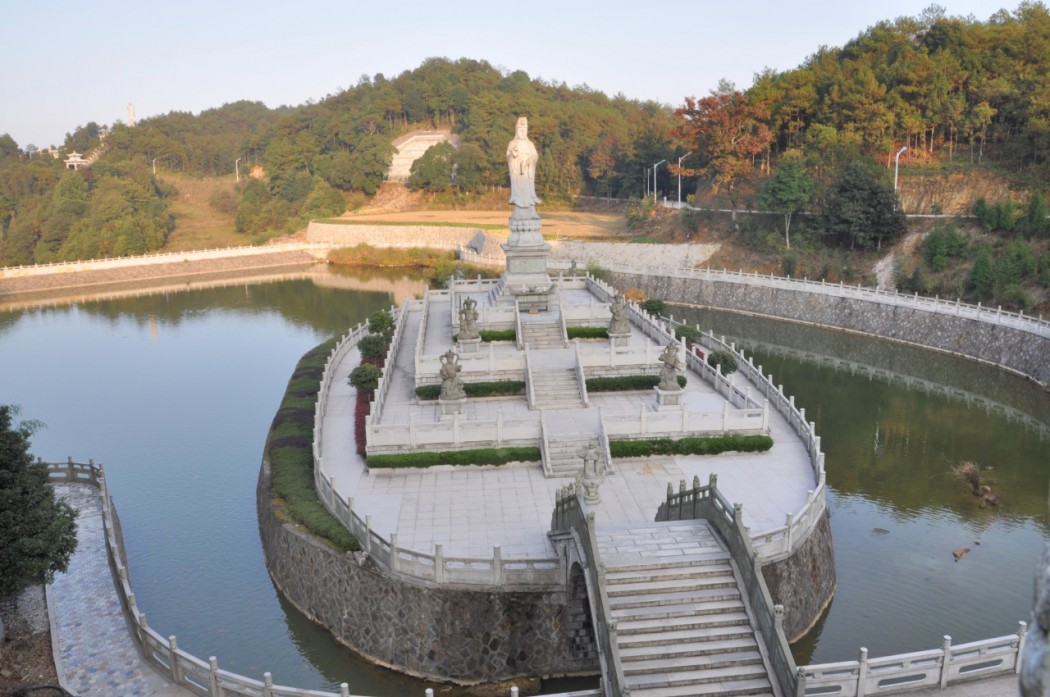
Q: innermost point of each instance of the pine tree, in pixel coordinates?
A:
(38, 533)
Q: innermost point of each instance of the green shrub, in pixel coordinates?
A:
(381, 322)
(689, 333)
(372, 347)
(493, 335)
(289, 452)
(596, 270)
(587, 332)
(481, 456)
(690, 446)
(366, 377)
(655, 306)
(476, 389)
(726, 359)
(626, 383)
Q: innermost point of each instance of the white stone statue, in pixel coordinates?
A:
(521, 159)
(672, 364)
(451, 384)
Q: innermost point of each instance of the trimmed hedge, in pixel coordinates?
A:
(625, 383)
(493, 335)
(481, 456)
(690, 446)
(289, 451)
(726, 359)
(587, 332)
(476, 389)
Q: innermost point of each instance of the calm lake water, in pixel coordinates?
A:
(174, 394)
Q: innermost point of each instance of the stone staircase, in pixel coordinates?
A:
(543, 335)
(683, 627)
(556, 388)
(563, 458)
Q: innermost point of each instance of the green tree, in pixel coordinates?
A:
(1035, 222)
(433, 170)
(981, 282)
(862, 209)
(789, 190)
(38, 533)
(365, 377)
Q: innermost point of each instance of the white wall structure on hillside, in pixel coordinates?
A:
(411, 147)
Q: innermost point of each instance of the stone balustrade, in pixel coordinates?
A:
(919, 670)
(455, 433)
(663, 424)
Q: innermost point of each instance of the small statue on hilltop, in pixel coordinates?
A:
(672, 364)
(619, 325)
(468, 320)
(451, 385)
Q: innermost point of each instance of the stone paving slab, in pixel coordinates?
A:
(94, 652)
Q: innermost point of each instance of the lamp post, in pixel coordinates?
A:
(896, 167)
(237, 169)
(654, 177)
(154, 166)
(680, 177)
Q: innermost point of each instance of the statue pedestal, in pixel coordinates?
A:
(526, 275)
(620, 339)
(451, 407)
(469, 345)
(668, 400)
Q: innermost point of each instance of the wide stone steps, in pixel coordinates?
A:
(748, 662)
(563, 459)
(543, 335)
(682, 624)
(556, 389)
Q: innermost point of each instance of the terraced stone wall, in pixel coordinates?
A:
(1019, 351)
(460, 636)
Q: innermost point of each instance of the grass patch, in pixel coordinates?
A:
(626, 383)
(690, 446)
(496, 388)
(481, 456)
(289, 451)
(587, 332)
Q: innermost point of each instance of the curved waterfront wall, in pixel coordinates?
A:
(438, 633)
(1015, 342)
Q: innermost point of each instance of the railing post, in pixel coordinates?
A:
(862, 672)
(439, 563)
(176, 671)
(1022, 635)
(393, 553)
(344, 690)
(267, 684)
(497, 566)
(946, 660)
(368, 533)
(213, 677)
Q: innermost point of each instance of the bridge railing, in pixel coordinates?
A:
(375, 411)
(935, 668)
(570, 514)
(707, 503)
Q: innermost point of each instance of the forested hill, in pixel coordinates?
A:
(959, 92)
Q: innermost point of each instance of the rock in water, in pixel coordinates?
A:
(960, 553)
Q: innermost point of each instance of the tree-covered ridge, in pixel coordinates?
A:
(949, 88)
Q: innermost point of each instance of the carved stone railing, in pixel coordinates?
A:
(919, 670)
(453, 434)
(570, 514)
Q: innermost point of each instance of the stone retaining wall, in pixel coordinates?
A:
(804, 583)
(432, 236)
(1016, 350)
(444, 634)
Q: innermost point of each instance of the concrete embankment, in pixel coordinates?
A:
(41, 281)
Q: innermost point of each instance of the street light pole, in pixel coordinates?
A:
(680, 177)
(896, 167)
(654, 177)
(237, 169)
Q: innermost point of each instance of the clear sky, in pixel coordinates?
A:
(64, 63)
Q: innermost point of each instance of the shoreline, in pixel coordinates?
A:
(63, 283)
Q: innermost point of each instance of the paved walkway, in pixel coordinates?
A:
(94, 652)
